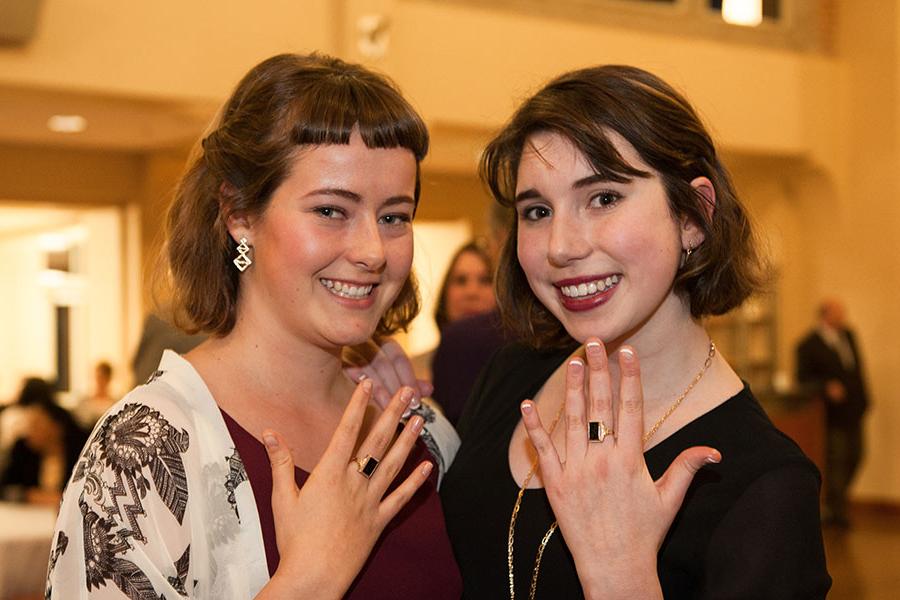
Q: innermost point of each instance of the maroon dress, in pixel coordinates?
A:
(412, 558)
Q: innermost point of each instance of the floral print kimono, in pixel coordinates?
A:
(159, 504)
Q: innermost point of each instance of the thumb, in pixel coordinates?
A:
(284, 486)
(675, 481)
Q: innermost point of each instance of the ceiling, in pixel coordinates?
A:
(113, 123)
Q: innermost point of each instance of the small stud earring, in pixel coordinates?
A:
(243, 258)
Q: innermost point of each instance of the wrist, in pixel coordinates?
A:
(628, 581)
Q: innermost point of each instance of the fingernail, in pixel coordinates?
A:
(627, 354)
(270, 440)
(527, 407)
(406, 394)
(361, 377)
(713, 459)
(417, 423)
(415, 403)
(576, 363)
(366, 385)
(592, 347)
(426, 469)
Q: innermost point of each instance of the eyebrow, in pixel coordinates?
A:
(581, 183)
(354, 197)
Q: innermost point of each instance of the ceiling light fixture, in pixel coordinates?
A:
(747, 13)
(67, 123)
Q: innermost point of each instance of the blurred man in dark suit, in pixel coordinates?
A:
(829, 365)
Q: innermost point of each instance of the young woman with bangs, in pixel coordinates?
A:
(289, 239)
(615, 453)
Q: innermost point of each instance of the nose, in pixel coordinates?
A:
(568, 240)
(366, 248)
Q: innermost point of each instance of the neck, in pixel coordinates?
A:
(272, 369)
(671, 347)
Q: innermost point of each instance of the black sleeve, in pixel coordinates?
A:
(476, 397)
(769, 545)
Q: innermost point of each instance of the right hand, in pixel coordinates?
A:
(388, 366)
(326, 530)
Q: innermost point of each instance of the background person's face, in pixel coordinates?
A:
(469, 287)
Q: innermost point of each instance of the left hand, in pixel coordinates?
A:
(612, 514)
(389, 367)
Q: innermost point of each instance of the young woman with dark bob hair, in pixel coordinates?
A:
(615, 453)
(288, 239)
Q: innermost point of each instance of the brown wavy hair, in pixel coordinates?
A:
(585, 105)
(285, 102)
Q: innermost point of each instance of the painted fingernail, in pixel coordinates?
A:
(415, 403)
(713, 459)
(592, 347)
(406, 394)
(426, 469)
(627, 354)
(270, 440)
(527, 407)
(576, 364)
(361, 377)
(417, 423)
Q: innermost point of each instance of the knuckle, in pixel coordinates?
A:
(574, 422)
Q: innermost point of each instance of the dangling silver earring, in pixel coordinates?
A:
(243, 258)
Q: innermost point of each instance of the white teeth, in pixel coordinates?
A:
(589, 289)
(345, 290)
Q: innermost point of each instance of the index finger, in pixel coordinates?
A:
(629, 437)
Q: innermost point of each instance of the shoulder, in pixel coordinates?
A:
(744, 430)
(514, 372)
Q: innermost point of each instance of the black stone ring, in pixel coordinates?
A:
(366, 465)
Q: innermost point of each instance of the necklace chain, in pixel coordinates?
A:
(515, 512)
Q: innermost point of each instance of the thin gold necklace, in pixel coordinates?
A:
(534, 463)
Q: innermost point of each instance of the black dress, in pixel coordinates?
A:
(748, 528)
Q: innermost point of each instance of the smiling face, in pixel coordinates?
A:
(334, 246)
(469, 287)
(600, 255)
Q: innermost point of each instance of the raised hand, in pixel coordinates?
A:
(611, 513)
(326, 530)
(389, 366)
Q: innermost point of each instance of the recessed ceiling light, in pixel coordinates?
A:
(748, 13)
(67, 123)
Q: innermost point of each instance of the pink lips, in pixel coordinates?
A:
(585, 302)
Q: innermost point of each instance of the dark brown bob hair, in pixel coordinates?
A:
(584, 106)
(284, 103)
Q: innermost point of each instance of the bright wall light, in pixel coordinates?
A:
(742, 12)
(69, 123)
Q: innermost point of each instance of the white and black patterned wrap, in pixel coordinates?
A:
(158, 505)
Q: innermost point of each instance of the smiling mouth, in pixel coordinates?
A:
(347, 290)
(583, 290)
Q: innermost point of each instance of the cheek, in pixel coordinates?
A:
(399, 255)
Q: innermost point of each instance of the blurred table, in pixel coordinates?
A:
(25, 536)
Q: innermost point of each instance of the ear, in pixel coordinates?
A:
(692, 233)
(236, 222)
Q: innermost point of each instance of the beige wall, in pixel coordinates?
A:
(812, 139)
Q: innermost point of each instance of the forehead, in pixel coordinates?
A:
(551, 153)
